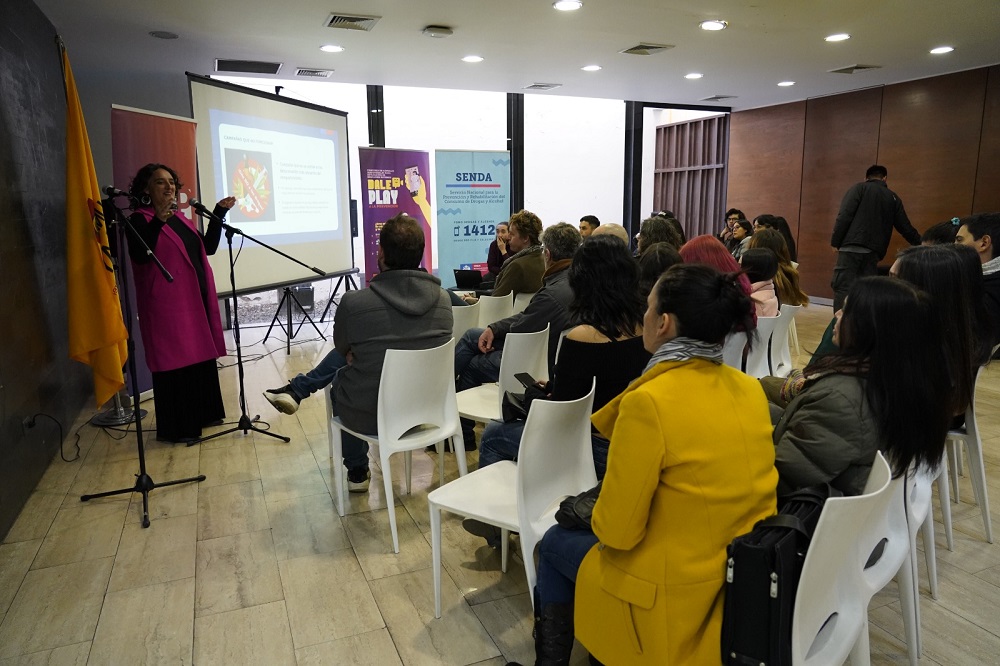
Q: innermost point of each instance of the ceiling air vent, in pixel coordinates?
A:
(717, 98)
(543, 86)
(352, 22)
(315, 73)
(647, 49)
(247, 66)
(850, 69)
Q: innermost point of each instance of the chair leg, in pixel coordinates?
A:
(944, 499)
(436, 555)
(953, 447)
(861, 651)
(337, 467)
(977, 474)
(408, 468)
(930, 555)
(793, 337)
(458, 446)
(504, 548)
(905, 583)
(389, 501)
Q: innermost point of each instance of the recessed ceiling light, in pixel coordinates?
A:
(713, 24)
(331, 48)
(567, 5)
(785, 84)
(693, 75)
(591, 68)
(942, 49)
(472, 58)
(839, 37)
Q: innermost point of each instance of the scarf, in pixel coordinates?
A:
(685, 349)
(991, 266)
(527, 250)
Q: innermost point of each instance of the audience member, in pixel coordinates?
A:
(605, 343)
(760, 266)
(588, 225)
(726, 235)
(656, 230)
(663, 538)
(653, 263)
(779, 224)
(742, 233)
(522, 270)
(979, 232)
(885, 388)
(408, 309)
(676, 225)
(477, 353)
(498, 252)
(612, 229)
(942, 232)
(786, 280)
(709, 250)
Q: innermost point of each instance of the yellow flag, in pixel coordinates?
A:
(97, 333)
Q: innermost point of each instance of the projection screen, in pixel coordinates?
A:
(286, 162)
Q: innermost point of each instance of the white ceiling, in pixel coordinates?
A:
(527, 41)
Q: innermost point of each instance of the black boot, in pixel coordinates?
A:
(554, 635)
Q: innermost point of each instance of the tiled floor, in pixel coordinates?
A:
(253, 566)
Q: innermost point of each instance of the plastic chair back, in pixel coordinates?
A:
(781, 353)
(521, 300)
(495, 308)
(555, 460)
(732, 350)
(465, 317)
(523, 352)
(969, 435)
(757, 360)
(859, 545)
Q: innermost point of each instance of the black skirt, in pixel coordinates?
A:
(186, 400)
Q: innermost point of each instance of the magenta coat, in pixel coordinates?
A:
(175, 331)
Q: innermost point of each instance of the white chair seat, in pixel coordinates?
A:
(480, 403)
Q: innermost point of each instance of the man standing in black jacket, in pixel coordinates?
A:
(864, 225)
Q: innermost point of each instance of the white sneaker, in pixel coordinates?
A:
(283, 399)
(359, 486)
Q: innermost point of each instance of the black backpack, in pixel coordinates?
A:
(762, 576)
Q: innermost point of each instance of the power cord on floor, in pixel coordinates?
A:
(30, 422)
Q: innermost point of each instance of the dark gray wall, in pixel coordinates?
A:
(36, 374)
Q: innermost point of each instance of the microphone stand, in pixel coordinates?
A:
(143, 482)
(245, 423)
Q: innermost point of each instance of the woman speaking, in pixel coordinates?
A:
(179, 320)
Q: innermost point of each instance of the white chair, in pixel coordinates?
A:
(793, 337)
(522, 352)
(416, 407)
(781, 354)
(555, 460)
(757, 360)
(859, 544)
(465, 317)
(521, 300)
(495, 308)
(732, 349)
(969, 435)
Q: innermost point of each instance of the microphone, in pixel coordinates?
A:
(115, 192)
(200, 208)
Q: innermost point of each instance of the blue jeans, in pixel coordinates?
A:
(502, 441)
(326, 373)
(560, 554)
(472, 367)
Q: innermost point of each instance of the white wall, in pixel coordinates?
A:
(574, 156)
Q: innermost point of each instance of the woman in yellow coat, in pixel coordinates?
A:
(690, 467)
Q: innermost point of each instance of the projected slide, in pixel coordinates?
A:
(284, 176)
(286, 163)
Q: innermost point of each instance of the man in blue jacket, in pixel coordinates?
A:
(868, 213)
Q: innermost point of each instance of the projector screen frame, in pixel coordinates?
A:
(305, 275)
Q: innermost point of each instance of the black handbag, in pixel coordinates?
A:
(575, 512)
(515, 406)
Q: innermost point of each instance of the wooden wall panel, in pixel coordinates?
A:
(841, 142)
(929, 142)
(765, 161)
(987, 197)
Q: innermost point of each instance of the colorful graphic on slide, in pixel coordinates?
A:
(251, 182)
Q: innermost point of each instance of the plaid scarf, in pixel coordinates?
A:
(685, 349)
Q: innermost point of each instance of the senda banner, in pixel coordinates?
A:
(473, 195)
(394, 181)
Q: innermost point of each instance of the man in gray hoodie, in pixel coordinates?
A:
(403, 307)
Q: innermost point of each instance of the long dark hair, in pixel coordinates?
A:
(605, 282)
(890, 336)
(759, 264)
(653, 262)
(786, 281)
(953, 281)
(708, 305)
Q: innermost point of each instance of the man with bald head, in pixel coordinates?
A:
(612, 229)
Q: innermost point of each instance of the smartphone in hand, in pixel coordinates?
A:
(525, 379)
